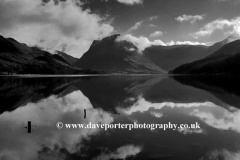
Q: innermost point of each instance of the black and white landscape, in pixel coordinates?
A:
(119, 62)
(111, 55)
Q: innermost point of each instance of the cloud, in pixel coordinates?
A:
(140, 42)
(45, 114)
(221, 0)
(209, 113)
(121, 153)
(156, 114)
(142, 106)
(231, 26)
(228, 120)
(184, 43)
(135, 27)
(190, 131)
(156, 34)
(131, 2)
(235, 2)
(222, 154)
(213, 115)
(152, 25)
(152, 18)
(143, 42)
(63, 26)
(190, 18)
(138, 24)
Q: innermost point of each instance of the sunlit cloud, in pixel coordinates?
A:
(190, 18)
(235, 2)
(152, 18)
(131, 2)
(156, 34)
(63, 26)
(152, 25)
(143, 42)
(184, 43)
(229, 27)
(135, 27)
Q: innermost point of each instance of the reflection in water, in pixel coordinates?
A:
(85, 113)
(225, 122)
(221, 154)
(120, 153)
(211, 114)
(224, 88)
(156, 114)
(142, 106)
(120, 99)
(15, 91)
(45, 114)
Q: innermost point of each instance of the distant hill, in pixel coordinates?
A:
(170, 57)
(223, 61)
(18, 58)
(60, 58)
(67, 57)
(110, 55)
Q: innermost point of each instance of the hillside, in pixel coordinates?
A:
(223, 61)
(109, 55)
(18, 58)
(67, 57)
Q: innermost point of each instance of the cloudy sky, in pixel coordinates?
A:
(72, 25)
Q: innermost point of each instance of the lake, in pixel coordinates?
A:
(211, 102)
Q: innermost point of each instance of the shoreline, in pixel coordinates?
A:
(82, 75)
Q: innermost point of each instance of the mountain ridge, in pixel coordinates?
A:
(224, 61)
(110, 55)
(18, 58)
(67, 57)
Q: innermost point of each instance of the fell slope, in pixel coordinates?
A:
(110, 55)
(224, 61)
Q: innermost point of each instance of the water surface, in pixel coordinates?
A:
(119, 99)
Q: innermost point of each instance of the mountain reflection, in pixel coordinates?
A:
(113, 100)
(16, 91)
(44, 115)
(224, 88)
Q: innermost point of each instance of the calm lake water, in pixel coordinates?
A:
(211, 102)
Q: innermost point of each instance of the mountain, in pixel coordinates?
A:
(230, 39)
(60, 58)
(224, 61)
(110, 55)
(67, 57)
(18, 58)
(170, 57)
